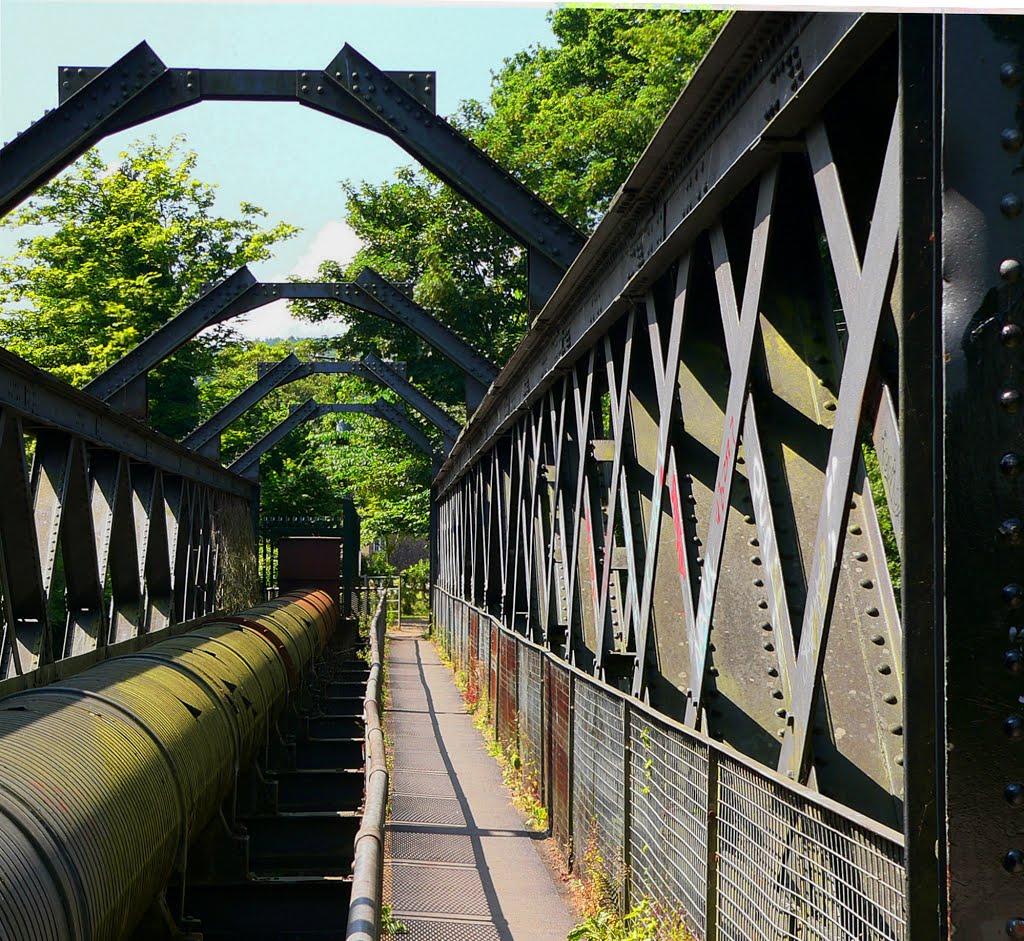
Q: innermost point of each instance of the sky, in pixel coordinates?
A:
(285, 158)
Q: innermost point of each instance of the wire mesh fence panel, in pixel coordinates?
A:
(492, 691)
(462, 639)
(473, 644)
(790, 869)
(556, 727)
(598, 785)
(668, 821)
(531, 720)
(508, 691)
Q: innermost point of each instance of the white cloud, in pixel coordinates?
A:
(334, 240)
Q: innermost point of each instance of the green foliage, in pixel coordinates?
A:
(570, 121)
(641, 923)
(389, 924)
(378, 564)
(120, 250)
(416, 589)
(892, 549)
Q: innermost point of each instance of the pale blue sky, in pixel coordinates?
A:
(283, 157)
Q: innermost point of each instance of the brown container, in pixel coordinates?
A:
(310, 562)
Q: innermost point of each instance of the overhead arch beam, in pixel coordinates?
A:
(96, 102)
(123, 384)
(249, 463)
(206, 438)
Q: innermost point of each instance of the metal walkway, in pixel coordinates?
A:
(461, 865)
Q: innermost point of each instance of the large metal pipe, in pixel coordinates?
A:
(107, 777)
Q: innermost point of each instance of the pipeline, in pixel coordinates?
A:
(368, 865)
(108, 776)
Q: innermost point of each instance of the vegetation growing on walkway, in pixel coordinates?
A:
(596, 889)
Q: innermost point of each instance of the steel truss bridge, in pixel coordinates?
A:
(733, 541)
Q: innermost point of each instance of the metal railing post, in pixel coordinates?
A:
(711, 908)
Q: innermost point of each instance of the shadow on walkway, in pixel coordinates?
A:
(461, 865)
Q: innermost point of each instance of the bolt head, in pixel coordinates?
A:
(1013, 794)
(1010, 74)
(1009, 270)
(1013, 595)
(1013, 861)
(1013, 727)
(1010, 205)
(1011, 464)
(1015, 929)
(1013, 660)
(1011, 139)
(1011, 334)
(1009, 399)
(1012, 531)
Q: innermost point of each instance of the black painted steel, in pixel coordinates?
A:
(139, 87)
(123, 384)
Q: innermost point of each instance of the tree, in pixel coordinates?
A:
(570, 121)
(120, 250)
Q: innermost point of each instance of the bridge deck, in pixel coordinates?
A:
(461, 864)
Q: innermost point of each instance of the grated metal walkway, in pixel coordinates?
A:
(460, 863)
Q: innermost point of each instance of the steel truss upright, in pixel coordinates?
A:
(757, 461)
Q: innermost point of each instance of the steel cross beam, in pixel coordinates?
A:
(206, 438)
(388, 412)
(248, 464)
(96, 102)
(123, 384)
(480, 372)
(385, 374)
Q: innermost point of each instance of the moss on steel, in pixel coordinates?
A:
(107, 777)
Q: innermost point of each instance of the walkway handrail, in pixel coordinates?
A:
(368, 861)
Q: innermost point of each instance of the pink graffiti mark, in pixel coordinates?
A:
(677, 523)
(725, 471)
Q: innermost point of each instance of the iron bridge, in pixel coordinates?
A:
(734, 539)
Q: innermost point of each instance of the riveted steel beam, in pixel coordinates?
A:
(225, 300)
(723, 130)
(43, 400)
(42, 150)
(388, 412)
(206, 438)
(388, 376)
(454, 158)
(248, 464)
(139, 87)
(123, 385)
(480, 373)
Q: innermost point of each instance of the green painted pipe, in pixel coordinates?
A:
(106, 777)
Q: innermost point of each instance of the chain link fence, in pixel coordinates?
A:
(730, 849)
